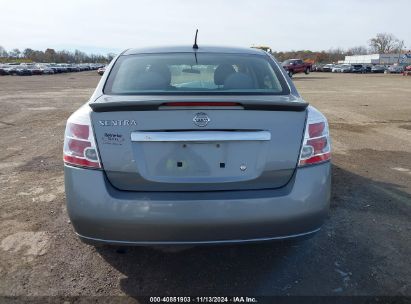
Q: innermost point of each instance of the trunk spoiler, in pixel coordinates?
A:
(284, 104)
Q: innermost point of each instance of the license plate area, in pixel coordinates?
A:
(199, 161)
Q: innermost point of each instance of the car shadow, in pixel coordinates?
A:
(335, 261)
(201, 270)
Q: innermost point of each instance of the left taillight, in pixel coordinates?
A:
(79, 144)
(316, 147)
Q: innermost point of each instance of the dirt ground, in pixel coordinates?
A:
(364, 247)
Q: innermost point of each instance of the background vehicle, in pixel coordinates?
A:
(4, 69)
(378, 69)
(30, 68)
(56, 68)
(328, 67)
(395, 69)
(345, 68)
(263, 47)
(35, 70)
(101, 70)
(336, 68)
(63, 67)
(294, 66)
(46, 69)
(21, 70)
(358, 68)
(318, 67)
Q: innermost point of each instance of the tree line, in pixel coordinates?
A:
(382, 43)
(51, 55)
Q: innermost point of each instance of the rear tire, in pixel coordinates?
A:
(290, 73)
(307, 71)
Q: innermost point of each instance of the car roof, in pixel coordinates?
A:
(189, 49)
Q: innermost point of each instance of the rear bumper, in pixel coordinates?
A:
(102, 214)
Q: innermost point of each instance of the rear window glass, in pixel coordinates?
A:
(190, 73)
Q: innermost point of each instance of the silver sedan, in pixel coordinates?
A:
(205, 145)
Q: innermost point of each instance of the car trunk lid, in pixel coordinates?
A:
(157, 144)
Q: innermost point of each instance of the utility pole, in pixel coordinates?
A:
(400, 50)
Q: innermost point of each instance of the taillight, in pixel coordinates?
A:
(79, 145)
(316, 146)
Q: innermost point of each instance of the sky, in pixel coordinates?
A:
(102, 26)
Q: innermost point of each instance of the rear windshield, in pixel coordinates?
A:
(189, 73)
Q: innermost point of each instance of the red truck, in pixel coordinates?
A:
(294, 66)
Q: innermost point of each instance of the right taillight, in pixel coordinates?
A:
(316, 147)
(79, 145)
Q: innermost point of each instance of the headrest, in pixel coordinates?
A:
(222, 72)
(162, 69)
(151, 81)
(239, 81)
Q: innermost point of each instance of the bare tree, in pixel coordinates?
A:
(3, 52)
(28, 53)
(358, 50)
(79, 56)
(336, 54)
(50, 55)
(15, 53)
(384, 43)
(110, 56)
